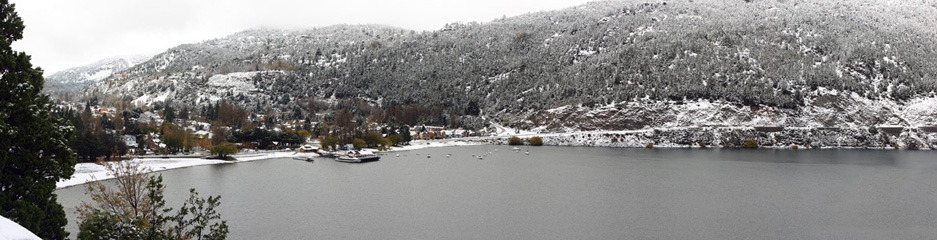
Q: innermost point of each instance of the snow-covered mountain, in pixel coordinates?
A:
(74, 80)
(602, 65)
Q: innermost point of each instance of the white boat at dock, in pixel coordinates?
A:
(358, 156)
(308, 148)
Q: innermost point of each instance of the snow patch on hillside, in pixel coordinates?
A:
(147, 99)
(99, 74)
(921, 111)
(238, 80)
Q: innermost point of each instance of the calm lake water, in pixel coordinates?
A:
(573, 193)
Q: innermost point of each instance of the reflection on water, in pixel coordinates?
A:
(575, 193)
(827, 156)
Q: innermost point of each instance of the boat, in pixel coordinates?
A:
(308, 148)
(358, 156)
(328, 154)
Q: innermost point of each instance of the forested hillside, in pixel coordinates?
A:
(788, 62)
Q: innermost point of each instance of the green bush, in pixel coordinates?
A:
(372, 139)
(359, 143)
(536, 141)
(224, 149)
(649, 145)
(750, 143)
(795, 147)
(702, 144)
(515, 141)
(329, 142)
(395, 139)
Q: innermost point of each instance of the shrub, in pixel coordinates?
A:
(386, 142)
(794, 147)
(373, 138)
(359, 143)
(750, 143)
(536, 141)
(329, 141)
(395, 139)
(702, 144)
(224, 149)
(649, 145)
(515, 141)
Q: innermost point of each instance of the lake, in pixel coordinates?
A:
(572, 193)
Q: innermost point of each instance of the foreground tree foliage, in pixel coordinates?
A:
(34, 152)
(133, 208)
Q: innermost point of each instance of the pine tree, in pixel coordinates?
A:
(34, 152)
(405, 133)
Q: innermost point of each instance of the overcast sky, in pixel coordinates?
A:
(61, 34)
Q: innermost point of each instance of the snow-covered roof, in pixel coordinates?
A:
(10, 230)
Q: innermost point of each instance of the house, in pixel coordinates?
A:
(130, 140)
(202, 134)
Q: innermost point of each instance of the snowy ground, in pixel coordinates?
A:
(9, 230)
(85, 172)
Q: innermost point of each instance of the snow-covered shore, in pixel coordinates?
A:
(732, 137)
(85, 172)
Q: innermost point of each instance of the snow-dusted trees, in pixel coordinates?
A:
(760, 53)
(34, 152)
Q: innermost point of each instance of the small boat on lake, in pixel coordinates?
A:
(328, 154)
(358, 156)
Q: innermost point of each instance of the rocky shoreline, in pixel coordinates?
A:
(750, 137)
